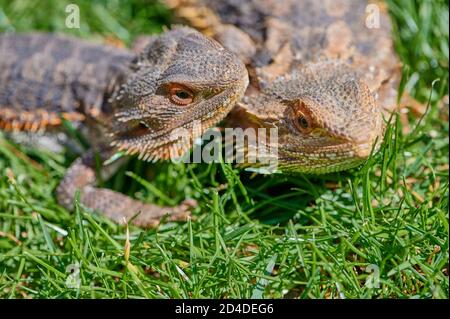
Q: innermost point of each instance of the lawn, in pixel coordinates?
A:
(377, 231)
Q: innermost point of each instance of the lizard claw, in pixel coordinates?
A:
(183, 211)
(151, 216)
(190, 203)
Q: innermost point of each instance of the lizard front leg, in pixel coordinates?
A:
(81, 176)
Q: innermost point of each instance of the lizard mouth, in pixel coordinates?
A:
(148, 144)
(313, 164)
(292, 165)
(326, 159)
(134, 132)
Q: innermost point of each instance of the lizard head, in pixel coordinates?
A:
(326, 117)
(179, 79)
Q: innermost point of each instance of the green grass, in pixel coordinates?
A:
(253, 236)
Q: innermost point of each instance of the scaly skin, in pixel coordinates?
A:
(122, 102)
(318, 73)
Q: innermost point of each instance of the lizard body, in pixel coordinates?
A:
(122, 101)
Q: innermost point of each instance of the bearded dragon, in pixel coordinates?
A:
(121, 101)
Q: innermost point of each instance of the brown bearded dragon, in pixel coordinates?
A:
(123, 102)
(321, 72)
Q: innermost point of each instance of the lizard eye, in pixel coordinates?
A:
(180, 95)
(302, 119)
(303, 123)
